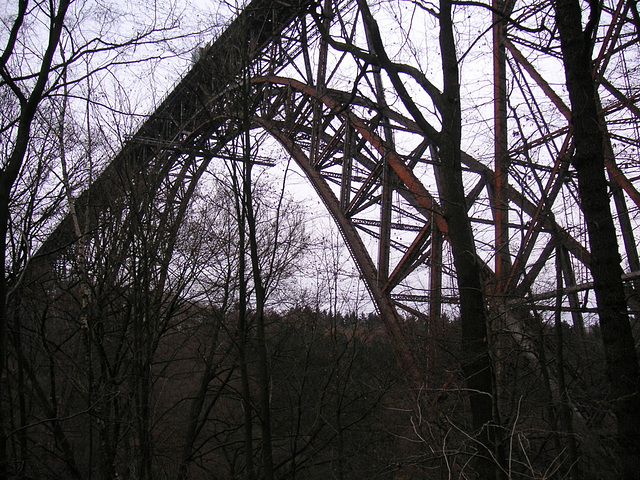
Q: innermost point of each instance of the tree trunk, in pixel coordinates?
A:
(473, 316)
(588, 160)
(9, 173)
(242, 331)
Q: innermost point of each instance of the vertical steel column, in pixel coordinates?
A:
(435, 275)
(320, 84)
(304, 44)
(347, 165)
(626, 229)
(574, 301)
(435, 295)
(385, 225)
(500, 200)
(386, 177)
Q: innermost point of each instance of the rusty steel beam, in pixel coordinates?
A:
(406, 175)
(422, 196)
(389, 315)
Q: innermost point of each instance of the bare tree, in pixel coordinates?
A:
(588, 159)
(476, 360)
(52, 50)
(29, 99)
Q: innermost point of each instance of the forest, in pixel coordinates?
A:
(344, 239)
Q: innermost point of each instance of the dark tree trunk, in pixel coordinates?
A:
(588, 160)
(247, 404)
(476, 360)
(9, 173)
(473, 315)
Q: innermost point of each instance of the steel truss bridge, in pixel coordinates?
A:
(307, 74)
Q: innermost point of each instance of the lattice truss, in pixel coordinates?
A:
(314, 90)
